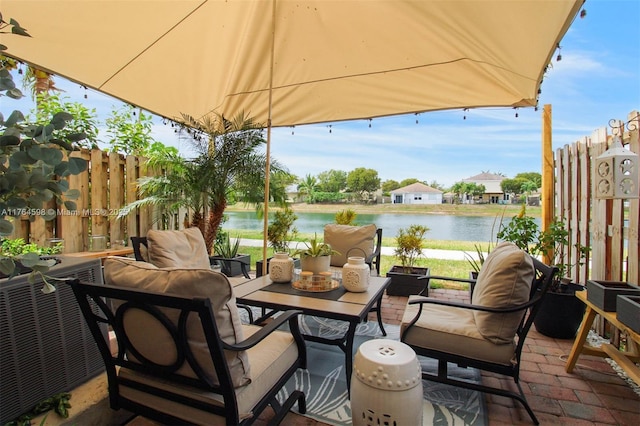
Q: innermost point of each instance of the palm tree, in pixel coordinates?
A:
(228, 162)
(308, 186)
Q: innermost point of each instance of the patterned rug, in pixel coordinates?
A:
(324, 382)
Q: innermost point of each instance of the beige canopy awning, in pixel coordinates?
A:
(287, 62)
(332, 60)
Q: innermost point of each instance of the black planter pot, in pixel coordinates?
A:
(232, 269)
(560, 313)
(404, 284)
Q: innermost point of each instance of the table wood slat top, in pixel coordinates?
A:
(349, 305)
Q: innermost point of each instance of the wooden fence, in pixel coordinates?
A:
(106, 187)
(601, 224)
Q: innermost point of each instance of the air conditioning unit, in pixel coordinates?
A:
(45, 345)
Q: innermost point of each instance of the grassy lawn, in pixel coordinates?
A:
(386, 241)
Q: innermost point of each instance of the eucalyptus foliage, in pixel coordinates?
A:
(34, 159)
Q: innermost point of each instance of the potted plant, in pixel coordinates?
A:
(279, 233)
(560, 312)
(225, 249)
(404, 277)
(316, 256)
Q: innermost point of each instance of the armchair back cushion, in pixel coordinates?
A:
(504, 280)
(182, 249)
(125, 272)
(349, 241)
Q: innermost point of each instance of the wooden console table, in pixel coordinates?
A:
(625, 359)
(125, 251)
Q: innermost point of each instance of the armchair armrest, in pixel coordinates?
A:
(291, 317)
(243, 265)
(509, 309)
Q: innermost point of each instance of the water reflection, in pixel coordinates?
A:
(441, 227)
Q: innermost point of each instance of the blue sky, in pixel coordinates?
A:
(597, 79)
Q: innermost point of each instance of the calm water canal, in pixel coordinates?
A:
(441, 227)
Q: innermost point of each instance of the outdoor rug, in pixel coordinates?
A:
(324, 382)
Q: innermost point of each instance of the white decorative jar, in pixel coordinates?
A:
(356, 274)
(281, 268)
(386, 384)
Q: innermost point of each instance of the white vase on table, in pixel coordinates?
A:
(356, 275)
(281, 268)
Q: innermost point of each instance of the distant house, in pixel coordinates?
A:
(416, 193)
(493, 191)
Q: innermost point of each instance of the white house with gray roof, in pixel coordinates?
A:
(493, 191)
(416, 193)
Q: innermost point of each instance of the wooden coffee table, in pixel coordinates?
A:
(338, 304)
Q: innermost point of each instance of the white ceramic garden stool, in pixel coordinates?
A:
(386, 384)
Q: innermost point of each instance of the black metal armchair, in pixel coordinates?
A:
(172, 364)
(489, 334)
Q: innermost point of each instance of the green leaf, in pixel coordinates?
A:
(47, 287)
(52, 156)
(6, 227)
(19, 159)
(14, 93)
(49, 216)
(72, 194)
(7, 266)
(64, 144)
(63, 186)
(43, 133)
(9, 140)
(38, 180)
(62, 169)
(77, 165)
(15, 118)
(76, 137)
(36, 200)
(29, 259)
(70, 205)
(6, 83)
(60, 119)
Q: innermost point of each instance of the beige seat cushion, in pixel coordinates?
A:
(152, 339)
(349, 241)
(504, 280)
(269, 360)
(453, 330)
(183, 249)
